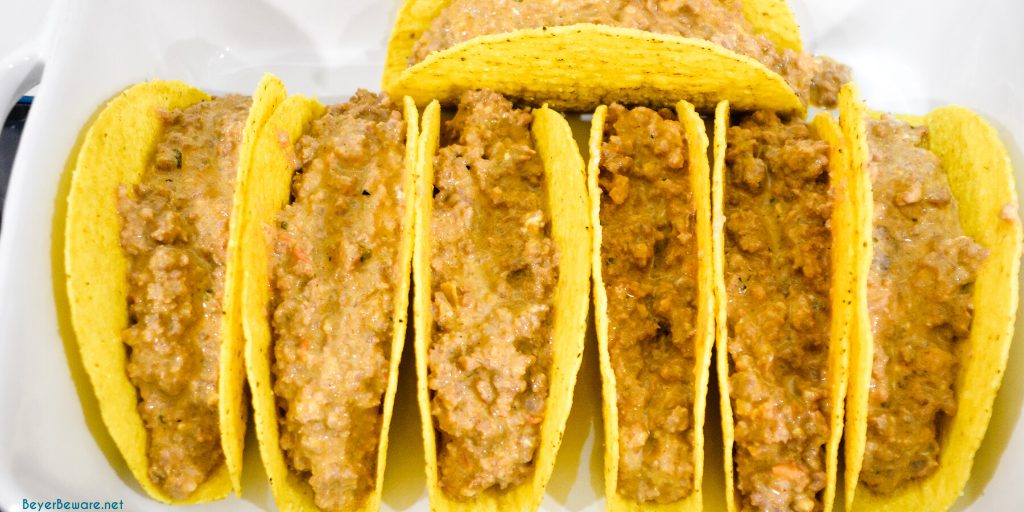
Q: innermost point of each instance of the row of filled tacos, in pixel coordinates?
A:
(860, 272)
(849, 263)
(210, 238)
(856, 280)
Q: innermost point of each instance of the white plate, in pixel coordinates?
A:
(908, 57)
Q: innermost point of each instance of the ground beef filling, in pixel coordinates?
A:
(816, 79)
(174, 233)
(649, 264)
(494, 268)
(919, 300)
(335, 275)
(777, 277)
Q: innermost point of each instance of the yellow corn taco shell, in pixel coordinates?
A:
(116, 150)
(981, 178)
(269, 190)
(841, 324)
(579, 67)
(567, 196)
(697, 147)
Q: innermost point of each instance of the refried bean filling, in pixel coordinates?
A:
(919, 300)
(649, 265)
(777, 277)
(335, 275)
(816, 79)
(175, 235)
(494, 270)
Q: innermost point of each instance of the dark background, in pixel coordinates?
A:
(9, 137)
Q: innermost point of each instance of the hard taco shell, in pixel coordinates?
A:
(841, 323)
(268, 194)
(982, 181)
(697, 147)
(567, 196)
(579, 67)
(116, 150)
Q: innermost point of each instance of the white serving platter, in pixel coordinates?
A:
(908, 57)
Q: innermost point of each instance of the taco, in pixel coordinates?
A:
(578, 54)
(783, 256)
(328, 249)
(502, 279)
(650, 207)
(152, 261)
(939, 241)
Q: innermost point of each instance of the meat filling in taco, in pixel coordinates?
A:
(494, 269)
(722, 22)
(335, 271)
(174, 232)
(777, 209)
(919, 302)
(649, 265)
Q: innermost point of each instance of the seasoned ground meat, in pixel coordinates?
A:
(720, 21)
(335, 275)
(174, 232)
(494, 268)
(778, 246)
(919, 299)
(649, 265)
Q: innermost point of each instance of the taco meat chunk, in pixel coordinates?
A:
(649, 264)
(777, 209)
(919, 301)
(494, 268)
(335, 271)
(722, 22)
(174, 232)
